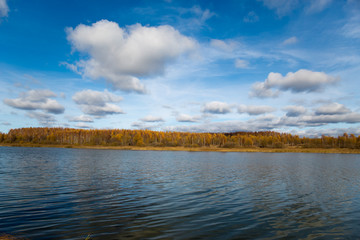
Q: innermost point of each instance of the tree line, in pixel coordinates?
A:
(122, 137)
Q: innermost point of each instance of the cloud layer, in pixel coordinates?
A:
(123, 55)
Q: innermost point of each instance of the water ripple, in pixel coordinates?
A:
(70, 193)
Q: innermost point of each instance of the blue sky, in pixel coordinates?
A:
(203, 66)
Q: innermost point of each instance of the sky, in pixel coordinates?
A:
(198, 66)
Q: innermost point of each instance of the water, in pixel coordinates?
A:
(50, 193)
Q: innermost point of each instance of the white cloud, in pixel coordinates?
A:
(71, 67)
(97, 103)
(351, 117)
(151, 118)
(91, 97)
(214, 127)
(81, 118)
(332, 113)
(264, 123)
(36, 100)
(329, 132)
(318, 6)
(260, 90)
(272, 123)
(228, 45)
(251, 17)
(44, 119)
(82, 125)
(352, 28)
(294, 111)
(239, 63)
(332, 109)
(255, 110)
(290, 41)
(123, 55)
(4, 8)
(203, 15)
(192, 19)
(300, 81)
(282, 7)
(143, 125)
(217, 107)
(187, 118)
(100, 111)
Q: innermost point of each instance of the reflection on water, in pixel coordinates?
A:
(69, 193)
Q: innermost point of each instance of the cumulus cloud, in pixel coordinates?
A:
(97, 103)
(290, 41)
(217, 108)
(187, 118)
(44, 119)
(300, 81)
(151, 118)
(81, 118)
(332, 109)
(123, 55)
(36, 100)
(260, 90)
(239, 63)
(4, 8)
(97, 98)
(281, 7)
(294, 111)
(255, 110)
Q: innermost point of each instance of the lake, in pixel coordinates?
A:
(54, 193)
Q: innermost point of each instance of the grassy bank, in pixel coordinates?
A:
(196, 149)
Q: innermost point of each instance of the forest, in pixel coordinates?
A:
(145, 138)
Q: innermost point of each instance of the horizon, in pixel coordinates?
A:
(188, 66)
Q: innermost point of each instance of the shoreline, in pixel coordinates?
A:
(196, 149)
